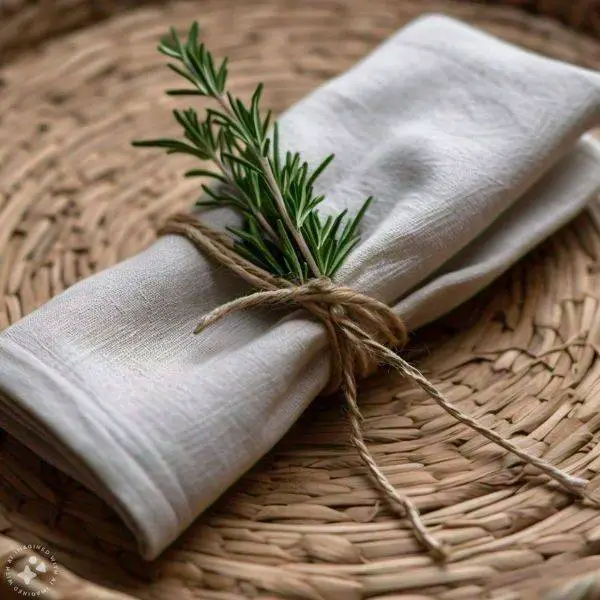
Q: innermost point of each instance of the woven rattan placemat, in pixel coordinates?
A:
(79, 81)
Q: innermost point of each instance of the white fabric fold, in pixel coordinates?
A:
(475, 152)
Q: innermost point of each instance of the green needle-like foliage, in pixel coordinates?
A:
(283, 231)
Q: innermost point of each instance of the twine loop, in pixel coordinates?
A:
(361, 332)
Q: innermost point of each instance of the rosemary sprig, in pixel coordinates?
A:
(283, 231)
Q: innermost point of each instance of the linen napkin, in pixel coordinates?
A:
(475, 152)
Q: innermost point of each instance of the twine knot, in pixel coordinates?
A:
(361, 332)
(351, 320)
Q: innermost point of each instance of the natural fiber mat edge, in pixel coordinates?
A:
(305, 523)
(27, 23)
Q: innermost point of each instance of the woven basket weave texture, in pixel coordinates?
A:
(80, 79)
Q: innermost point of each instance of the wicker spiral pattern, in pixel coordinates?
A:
(305, 523)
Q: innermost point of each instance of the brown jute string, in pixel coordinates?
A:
(355, 323)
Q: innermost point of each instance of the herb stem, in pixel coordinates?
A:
(302, 246)
(279, 202)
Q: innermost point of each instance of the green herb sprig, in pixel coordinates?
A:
(282, 232)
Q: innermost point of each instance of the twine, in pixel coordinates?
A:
(355, 323)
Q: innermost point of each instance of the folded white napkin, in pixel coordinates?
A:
(473, 150)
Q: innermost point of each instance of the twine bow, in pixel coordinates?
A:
(361, 332)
